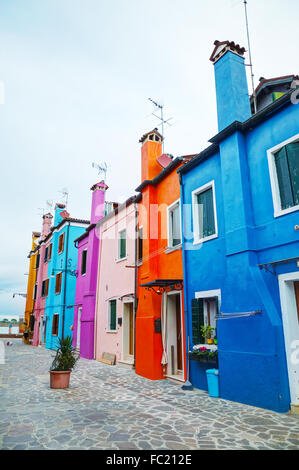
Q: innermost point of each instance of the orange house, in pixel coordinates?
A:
(159, 326)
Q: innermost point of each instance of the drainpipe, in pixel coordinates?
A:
(136, 276)
(184, 270)
(65, 276)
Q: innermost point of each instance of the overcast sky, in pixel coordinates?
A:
(76, 76)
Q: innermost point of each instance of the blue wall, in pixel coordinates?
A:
(55, 302)
(252, 360)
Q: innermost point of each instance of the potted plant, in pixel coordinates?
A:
(215, 340)
(207, 332)
(63, 363)
(203, 354)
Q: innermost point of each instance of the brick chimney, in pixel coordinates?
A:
(233, 103)
(60, 213)
(151, 149)
(98, 202)
(47, 222)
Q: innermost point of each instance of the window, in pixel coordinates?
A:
(46, 254)
(122, 244)
(83, 262)
(112, 315)
(283, 163)
(204, 213)
(45, 288)
(61, 243)
(204, 313)
(35, 292)
(140, 245)
(50, 252)
(174, 225)
(58, 283)
(55, 324)
(37, 261)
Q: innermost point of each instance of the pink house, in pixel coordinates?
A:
(41, 287)
(116, 306)
(88, 252)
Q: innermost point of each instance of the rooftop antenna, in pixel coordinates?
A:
(101, 167)
(161, 118)
(65, 195)
(20, 294)
(250, 59)
(41, 209)
(49, 204)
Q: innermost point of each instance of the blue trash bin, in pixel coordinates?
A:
(213, 382)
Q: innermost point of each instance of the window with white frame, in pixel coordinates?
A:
(204, 213)
(174, 225)
(112, 315)
(284, 174)
(122, 244)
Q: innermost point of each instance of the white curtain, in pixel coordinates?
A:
(164, 360)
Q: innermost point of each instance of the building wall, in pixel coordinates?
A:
(115, 279)
(31, 282)
(252, 361)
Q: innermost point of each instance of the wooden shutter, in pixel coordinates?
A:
(58, 284)
(123, 244)
(208, 222)
(46, 254)
(61, 243)
(283, 177)
(55, 324)
(197, 320)
(113, 315)
(50, 252)
(37, 261)
(293, 163)
(47, 287)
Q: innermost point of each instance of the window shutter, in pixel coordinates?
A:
(293, 161)
(123, 248)
(197, 320)
(283, 177)
(208, 222)
(113, 315)
(50, 252)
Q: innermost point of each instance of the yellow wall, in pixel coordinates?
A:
(31, 280)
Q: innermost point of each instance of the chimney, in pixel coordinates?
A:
(98, 201)
(151, 149)
(47, 222)
(233, 102)
(60, 213)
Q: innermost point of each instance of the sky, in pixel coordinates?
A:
(75, 78)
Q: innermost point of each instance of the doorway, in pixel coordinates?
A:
(128, 332)
(289, 297)
(79, 328)
(41, 330)
(174, 336)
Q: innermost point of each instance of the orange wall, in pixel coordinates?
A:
(156, 265)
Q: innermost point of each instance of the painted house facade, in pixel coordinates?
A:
(88, 254)
(116, 293)
(29, 307)
(160, 332)
(44, 251)
(240, 201)
(62, 272)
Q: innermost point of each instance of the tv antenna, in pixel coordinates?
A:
(49, 204)
(159, 107)
(250, 59)
(101, 167)
(41, 209)
(20, 294)
(65, 195)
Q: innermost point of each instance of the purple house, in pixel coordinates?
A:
(88, 252)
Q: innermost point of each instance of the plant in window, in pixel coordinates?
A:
(202, 354)
(207, 332)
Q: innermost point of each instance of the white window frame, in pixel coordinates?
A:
(207, 294)
(195, 193)
(108, 317)
(278, 211)
(118, 246)
(170, 208)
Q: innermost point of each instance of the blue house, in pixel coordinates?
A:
(240, 202)
(62, 272)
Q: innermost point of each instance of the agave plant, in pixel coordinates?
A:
(66, 356)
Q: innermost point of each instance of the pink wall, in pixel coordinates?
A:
(115, 279)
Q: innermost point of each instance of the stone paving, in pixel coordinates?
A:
(109, 407)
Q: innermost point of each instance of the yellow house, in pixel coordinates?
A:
(31, 281)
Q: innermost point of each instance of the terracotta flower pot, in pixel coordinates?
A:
(210, 341)
(60, 379)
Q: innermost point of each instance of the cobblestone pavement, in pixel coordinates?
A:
(109, 407)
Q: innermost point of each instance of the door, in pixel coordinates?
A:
(79, 328)
(45, 331)
(289, 295)
(41, 330)
(174, 335)
(131, 330)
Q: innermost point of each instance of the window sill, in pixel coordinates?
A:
(170, 249)
(203, 240)
(118, 260)
(210, 347)
(280, 212)
(111, 331)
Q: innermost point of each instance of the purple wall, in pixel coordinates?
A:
(86, 283)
